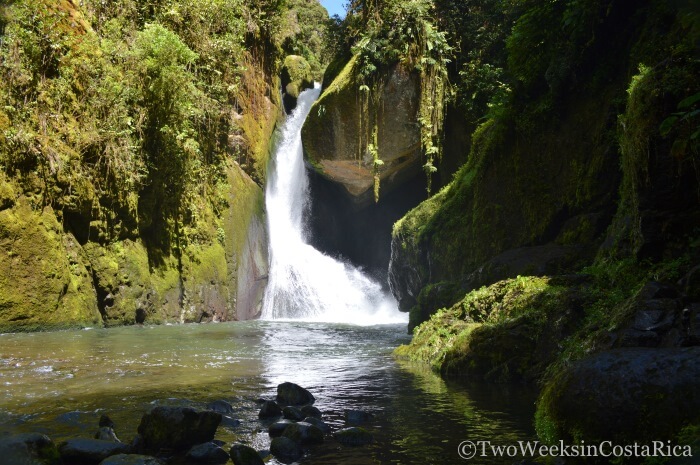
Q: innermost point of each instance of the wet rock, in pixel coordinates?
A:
(625, 394)
(29, 449)
(90, 450)
(177, 428)
(318, 423)
(293, 394)
(221, 406)
(207, 453)
(293, 413)
(269, 409)
(311, 411)
(245, 455)
(285, 449)
(357, 417)
(303, 433)
(131, 459)
(353, 436)
(264, 453)
(276, 429)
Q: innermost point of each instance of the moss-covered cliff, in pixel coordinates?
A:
(565, 251)
(134, 140)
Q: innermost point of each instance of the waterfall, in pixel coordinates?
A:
(304, 283)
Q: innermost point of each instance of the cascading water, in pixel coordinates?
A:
(303, 283)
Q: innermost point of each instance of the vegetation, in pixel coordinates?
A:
(125, 118)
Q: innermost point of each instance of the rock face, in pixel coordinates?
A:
(599, 397)
(44, 280)
(177, 428)
(331, 133)
(49, 280)
(345, 219)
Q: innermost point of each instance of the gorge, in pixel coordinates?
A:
(516, 179)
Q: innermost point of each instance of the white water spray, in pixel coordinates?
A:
(305, 284)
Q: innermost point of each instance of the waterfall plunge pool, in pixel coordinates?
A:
(59, 383)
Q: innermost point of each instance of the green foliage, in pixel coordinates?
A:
(304, 25)
(120, 114)
(451, 340)
(384, 34)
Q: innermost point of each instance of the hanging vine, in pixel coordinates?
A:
(401, 32)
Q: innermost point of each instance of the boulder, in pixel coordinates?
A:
(269, 409)
(285, 449)
(311, 411)
(221, 406)
(353, 436)
(131, 459)
(276, 429)
(245, 455)
(177, 428)
(90, 450)
(318, 423)
(29, 449)
(293, 413)
(623, 394)
(303, 433)
(207, 452)
(293, 394)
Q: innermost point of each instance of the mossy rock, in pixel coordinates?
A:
(330, 134)
(44, 281)
(505, 332)
(622, 395)
(296, 75)
(245, 244)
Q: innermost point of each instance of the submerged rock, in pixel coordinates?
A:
(285, 449)
(207, 453)
(29, 449)
(131, 459)
(354, 436)
(293, 394)
(90, 450)
(303, 433)
(356, 417)
(177, 428)
(245, 455)
(269, 409)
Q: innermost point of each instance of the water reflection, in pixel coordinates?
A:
(60, 383)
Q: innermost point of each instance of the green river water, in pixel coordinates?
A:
(59, 383)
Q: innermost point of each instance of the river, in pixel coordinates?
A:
(59, 383)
